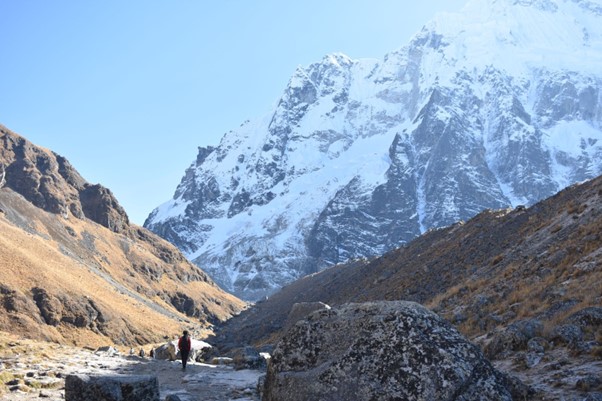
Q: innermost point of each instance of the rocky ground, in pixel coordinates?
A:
(31, 370)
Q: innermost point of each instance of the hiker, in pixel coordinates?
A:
(185, 345)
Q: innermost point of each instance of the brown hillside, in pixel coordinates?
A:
(497, 268)
(73, 269)
(502, 278)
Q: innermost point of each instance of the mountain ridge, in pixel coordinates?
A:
(506, 279)
(360, 156)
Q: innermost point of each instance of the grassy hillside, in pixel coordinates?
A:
(73, 269)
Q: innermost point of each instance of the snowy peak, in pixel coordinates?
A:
(498, 105)
(514, 35)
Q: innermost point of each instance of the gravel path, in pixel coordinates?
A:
(34, 371)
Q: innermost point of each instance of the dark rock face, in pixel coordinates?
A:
(185, 304)
(51, 183)
(111, 388)
(381, 350)
(54, 310)
(99, 205)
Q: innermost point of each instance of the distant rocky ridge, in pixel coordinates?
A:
(522, 283)
(73, 268)
(498, 105)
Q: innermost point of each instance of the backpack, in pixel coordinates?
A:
(184, 343)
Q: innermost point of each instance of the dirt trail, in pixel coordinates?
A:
(33, 371)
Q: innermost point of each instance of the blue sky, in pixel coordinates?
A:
(127, 90)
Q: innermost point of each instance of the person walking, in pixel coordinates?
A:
(185, 346)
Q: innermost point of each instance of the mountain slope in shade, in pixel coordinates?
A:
(73, 269)
(498, 105)
(507, 279)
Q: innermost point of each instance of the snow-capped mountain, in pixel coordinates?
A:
(495, 106)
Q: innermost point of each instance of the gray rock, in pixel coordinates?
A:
(107, 350)
(380, 350)
(505, 341)
(166, 351)
(587, 318)
(589, 383)
(172, 397)
(248, 358)
(568, 334)
(530, 328)
(111, 388)
(222, 360)
(200, 351)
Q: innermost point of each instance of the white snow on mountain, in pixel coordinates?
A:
(495, 106)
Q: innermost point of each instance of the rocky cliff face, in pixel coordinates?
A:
(499, 105)
(50, 182)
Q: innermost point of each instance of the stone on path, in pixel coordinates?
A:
(111, 388)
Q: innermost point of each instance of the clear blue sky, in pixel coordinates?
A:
(128, 89)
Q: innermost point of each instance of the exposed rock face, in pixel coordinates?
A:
(50, 182)
(111, 388)
(99, 205)
(382, 350)
(361, 156)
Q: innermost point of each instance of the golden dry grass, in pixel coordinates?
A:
(53, 258)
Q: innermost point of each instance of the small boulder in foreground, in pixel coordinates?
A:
(111, 388)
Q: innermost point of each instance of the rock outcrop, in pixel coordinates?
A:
(50, 182)
(381, 350)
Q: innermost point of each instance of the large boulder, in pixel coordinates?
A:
(169, 351)
(381, 351)
(111, 388)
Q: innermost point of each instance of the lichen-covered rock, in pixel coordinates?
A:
(513, 338)
(568, 334)
(111, 388)
(380, 351)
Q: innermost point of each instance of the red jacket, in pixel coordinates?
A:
(184, 343)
